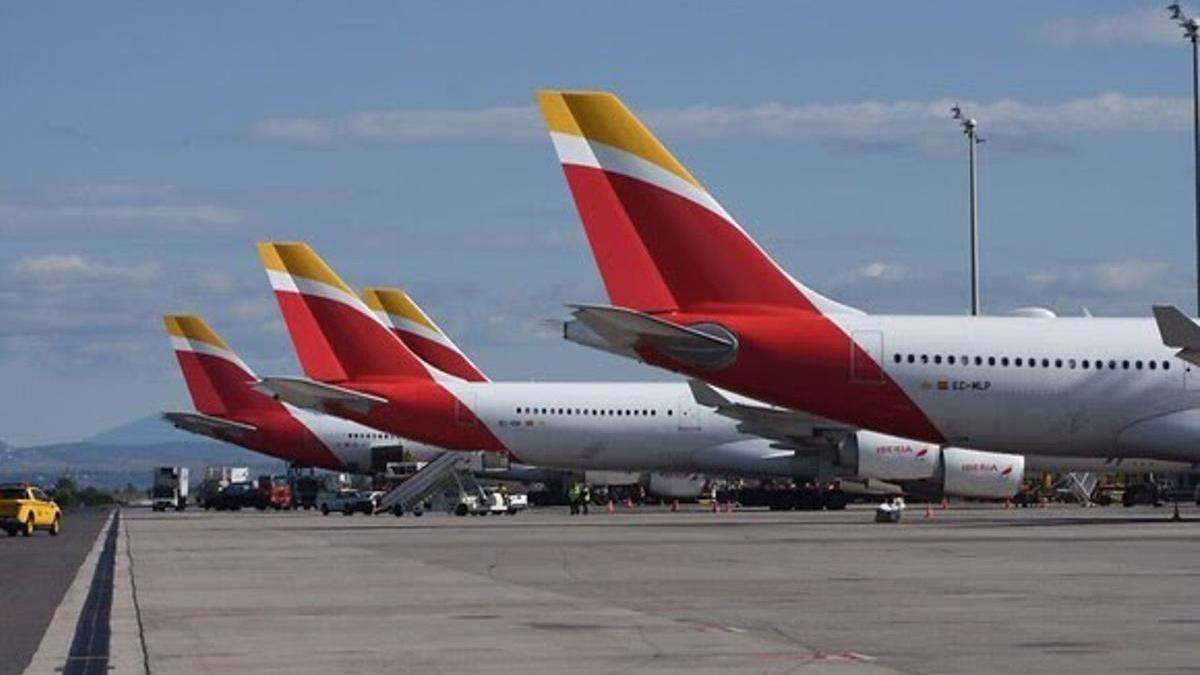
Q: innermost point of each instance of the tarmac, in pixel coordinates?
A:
(970, 590)
(36, 573)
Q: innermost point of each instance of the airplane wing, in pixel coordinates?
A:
(317, 395)
(208, 425)
(623, 329)
(789, 429)
(1178, 331)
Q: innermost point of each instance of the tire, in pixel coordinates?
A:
(56, 526)
(418, 513)
(461, 510)
(324, 509)
(28, 528)
(398, 511)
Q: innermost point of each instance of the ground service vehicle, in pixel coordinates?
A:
(170, 488)
(347, 501)
(24, 508)
(304, 492)
(233, 497)
(276, 493)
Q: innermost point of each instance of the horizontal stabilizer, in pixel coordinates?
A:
(208, 425)
(315, 395)
(789, 429)
(1178, 331)
(625, 329)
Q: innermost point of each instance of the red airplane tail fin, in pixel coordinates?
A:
(662, 242)
(219, 382)
(336, 336)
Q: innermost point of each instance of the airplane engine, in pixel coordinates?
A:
(888, 458)
(676, 485)
(989, 475)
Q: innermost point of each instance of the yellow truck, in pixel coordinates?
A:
(25, 508)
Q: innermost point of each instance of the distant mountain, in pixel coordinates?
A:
(142, 431)
(113, 465)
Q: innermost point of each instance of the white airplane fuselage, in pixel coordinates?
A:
(1078, 386)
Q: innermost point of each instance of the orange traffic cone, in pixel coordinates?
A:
(611, 506)
(945, 504)
(928, 510)
(629, 503)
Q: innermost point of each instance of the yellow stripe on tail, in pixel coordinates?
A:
(601, 116)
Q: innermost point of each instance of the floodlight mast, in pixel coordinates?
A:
(1191, 30)
(970, 128)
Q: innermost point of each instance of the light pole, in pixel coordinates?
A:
(970, 128)
(1191, 28)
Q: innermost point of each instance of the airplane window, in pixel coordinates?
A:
(924, 358)
(1033, 363)
(979, 360)
(1071, 364)
(1152, 364)
(1099, 364)
(895, 358)
(670, 412)
(965, 360)
(1138, 364)
(1124, 365)
(950, 359)
(991, 360)
(1045, 363)
(1084, 364)
(911, 358)
(1017, 362)
(937, 359)
(1058, 363)
(1112, 365)
(1166, 365)
(1004, 360)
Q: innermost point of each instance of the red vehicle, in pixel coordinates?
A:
(276, 493)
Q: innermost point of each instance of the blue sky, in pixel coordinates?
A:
(147, 146)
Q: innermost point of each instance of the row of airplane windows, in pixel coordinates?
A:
(370, 435)
(591, 411)
(1018, 362)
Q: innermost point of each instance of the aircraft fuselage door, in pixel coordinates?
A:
(464, 406)
(688, 414)
(866, 356)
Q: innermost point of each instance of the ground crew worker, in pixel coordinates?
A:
(586, 497)
(573, 497)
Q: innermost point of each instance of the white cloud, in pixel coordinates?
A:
(72, 268)
(902, 126)
(1116, 277)
(404, 126)
(109, 207)
(1148, 26)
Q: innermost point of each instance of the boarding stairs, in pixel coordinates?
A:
(1082, 485)
(448, 468)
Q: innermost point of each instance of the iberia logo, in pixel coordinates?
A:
(1007, 470)
(923, 452)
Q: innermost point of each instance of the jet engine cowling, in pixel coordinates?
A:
(676, 485)
(985, 475)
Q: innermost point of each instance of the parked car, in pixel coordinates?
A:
(347, 501)
(25, 508)
(234, 497)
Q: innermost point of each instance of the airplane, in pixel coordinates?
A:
(359, 368)
(693, 293)
(229, 409)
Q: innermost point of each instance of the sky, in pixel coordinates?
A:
(147, 146)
